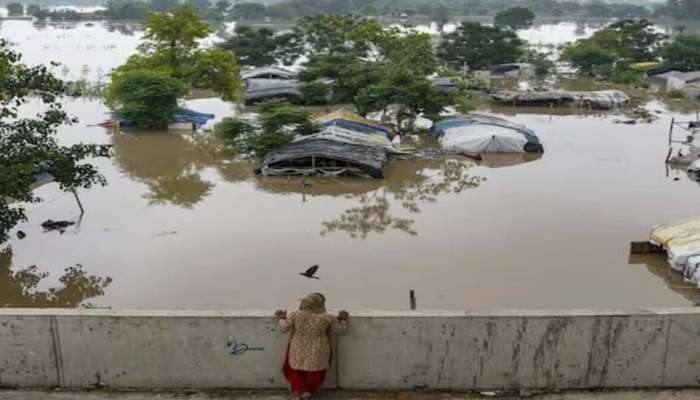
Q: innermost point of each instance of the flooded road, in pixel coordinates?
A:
(182, 225)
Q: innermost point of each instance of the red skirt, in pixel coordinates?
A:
(302, 381)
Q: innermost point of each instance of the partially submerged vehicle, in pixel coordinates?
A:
(598, 100)
(347, 145)
(475, 134)
(681, 240)
(264, 89)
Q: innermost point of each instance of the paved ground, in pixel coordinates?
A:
(687, 394)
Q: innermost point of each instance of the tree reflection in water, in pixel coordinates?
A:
(169, 163)
(409, 183)
(20, 288)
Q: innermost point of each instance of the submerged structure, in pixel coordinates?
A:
(475, 134)
(347, 145)
(598, 100)
(183, 119)
(681, 240)
(270, 72)
(260, 89)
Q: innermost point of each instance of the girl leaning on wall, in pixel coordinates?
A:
(309, 350)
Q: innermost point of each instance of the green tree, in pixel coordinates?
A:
(615, 47)
(479, 46)
(279, 115)
(254, 47)
(163, 5)
(683, 53)
(338, 34)
(33, 9)
(15, 9)
(28, 147)
(515, 18)
(440, 14)
(373, 68)
(126, 9)
(147, 97)
(634, 40)
(220, 10)
(171, 45)
(683, 9)
(201, 6)
(249, 11)
(588, 58)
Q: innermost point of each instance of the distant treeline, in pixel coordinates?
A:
(438, 10)
(441, 10)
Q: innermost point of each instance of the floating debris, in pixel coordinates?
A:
(21, 235)
(51, 225)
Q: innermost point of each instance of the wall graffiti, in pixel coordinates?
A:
(236, 348)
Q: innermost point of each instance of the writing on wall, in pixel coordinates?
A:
(236, 348)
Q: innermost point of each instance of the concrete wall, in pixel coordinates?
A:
(382, 350)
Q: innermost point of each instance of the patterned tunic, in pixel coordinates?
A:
(310, 345)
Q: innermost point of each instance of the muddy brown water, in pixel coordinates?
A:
(182, 225)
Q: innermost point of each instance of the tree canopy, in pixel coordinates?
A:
(253, 47)
(479, 46)
(615, 46)
(15, 9)
(683, 53)
(171, 53)
(145, 96)
(127, 9)
(683, 9)
(515, 18)
(28, 147)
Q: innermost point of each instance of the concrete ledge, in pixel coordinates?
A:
(386, 350)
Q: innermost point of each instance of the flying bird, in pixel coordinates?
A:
(309, 273)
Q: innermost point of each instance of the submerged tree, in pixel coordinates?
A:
(478, 46)
(15, 9)
(149, 98)
(609, 51)
(375, 69)
(28, 146)
(126, 9)
(515, 18)
(254, 47)
(683, 53)
(163, 5)
(171, 49)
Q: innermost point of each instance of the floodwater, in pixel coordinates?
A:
(182, 225)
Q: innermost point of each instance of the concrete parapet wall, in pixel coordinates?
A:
(382, 350)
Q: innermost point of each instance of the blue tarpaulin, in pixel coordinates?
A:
(183, 115)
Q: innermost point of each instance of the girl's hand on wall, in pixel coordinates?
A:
(343, 315)
(281, 314)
